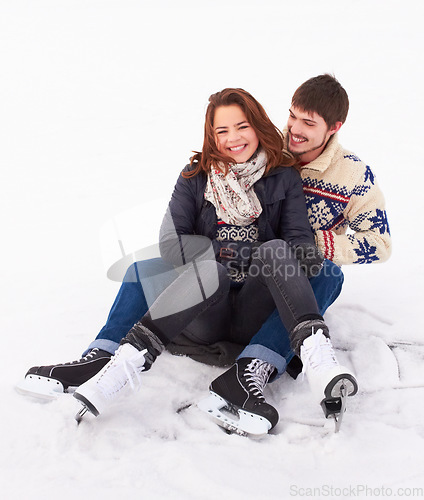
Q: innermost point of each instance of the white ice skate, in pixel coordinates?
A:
(330, 382)
(122, 372)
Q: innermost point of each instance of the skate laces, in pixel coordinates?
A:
(320, 354)
(119, 373)
(87, 357)
(256, 374)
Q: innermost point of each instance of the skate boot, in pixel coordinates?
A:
(324, 373)
(236, 400)
(48, 382)
(122, 372)
(330, 382)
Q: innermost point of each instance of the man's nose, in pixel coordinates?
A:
(296, 128)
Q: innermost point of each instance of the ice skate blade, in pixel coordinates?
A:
(336, 407)
(247, 423)
(80, 414)
(40, 387)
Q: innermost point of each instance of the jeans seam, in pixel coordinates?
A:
(288, 303)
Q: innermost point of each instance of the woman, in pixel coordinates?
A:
(235, 224)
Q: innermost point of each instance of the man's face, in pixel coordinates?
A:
(308, 134)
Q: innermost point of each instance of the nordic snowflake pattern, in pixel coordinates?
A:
(361, 189)
(358, 222)
(325, 203)
(369, 176)
(351, 157)
(380, 221)
(366, 252)
(323, 214)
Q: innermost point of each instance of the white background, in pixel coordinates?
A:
(101, 104)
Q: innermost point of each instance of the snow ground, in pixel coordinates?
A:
(101, 104)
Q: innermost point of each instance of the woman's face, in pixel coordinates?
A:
(234, 135)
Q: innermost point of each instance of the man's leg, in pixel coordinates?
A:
(143, 283)
(272, 343)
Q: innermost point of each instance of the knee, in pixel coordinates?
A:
(213, 276)
(332, 272)
(152, 267)
(146, 269)
(131, 275)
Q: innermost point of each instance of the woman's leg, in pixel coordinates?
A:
(278, 275)
(191, 296)
(272, 342)
(275, 280)
(197, 297)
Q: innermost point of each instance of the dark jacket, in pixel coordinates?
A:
(189, 227)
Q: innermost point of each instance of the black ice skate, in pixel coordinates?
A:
(236, 400)
(48, 382)
(116, 378)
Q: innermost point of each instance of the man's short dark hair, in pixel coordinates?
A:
(325, 96)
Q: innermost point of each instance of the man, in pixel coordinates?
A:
(341, 193)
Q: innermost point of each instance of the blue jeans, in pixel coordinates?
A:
(145, 281)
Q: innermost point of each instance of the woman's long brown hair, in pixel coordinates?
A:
(270, 138)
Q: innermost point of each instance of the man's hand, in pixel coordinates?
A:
(310, 258)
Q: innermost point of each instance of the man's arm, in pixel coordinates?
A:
(368, 238)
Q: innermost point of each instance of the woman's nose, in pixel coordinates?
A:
(233, 135)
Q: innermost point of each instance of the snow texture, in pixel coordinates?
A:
(101, 104)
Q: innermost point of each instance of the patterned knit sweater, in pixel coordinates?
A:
(345, 207)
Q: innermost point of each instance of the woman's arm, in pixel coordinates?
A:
(296, 228)
(294, 222)
(178, 242)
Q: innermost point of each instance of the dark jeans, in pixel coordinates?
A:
(272, 342)
(201, 301)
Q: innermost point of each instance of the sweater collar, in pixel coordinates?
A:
(323, 161)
